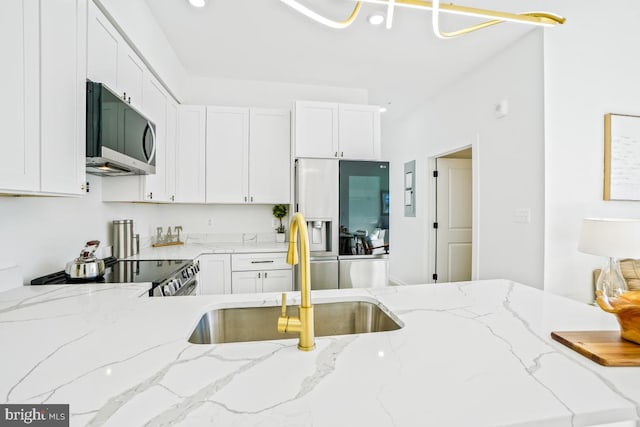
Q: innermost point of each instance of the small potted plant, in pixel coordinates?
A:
(280, 211)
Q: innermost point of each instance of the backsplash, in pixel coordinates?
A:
(41, 234)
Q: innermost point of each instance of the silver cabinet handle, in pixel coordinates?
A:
(335, 154)
(263, 262)
(245, 198)
(252, 198)
(258, 275)
(265, 274)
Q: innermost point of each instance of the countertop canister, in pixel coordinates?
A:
(123, 238)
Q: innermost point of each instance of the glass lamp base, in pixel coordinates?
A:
(610, 282)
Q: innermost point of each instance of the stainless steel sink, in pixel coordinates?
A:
(241, 324)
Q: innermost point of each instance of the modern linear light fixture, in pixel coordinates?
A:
(545, 19)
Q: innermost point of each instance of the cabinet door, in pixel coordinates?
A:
(359, 132)
(277, 281)
(62, 96)
(131, 75)
(215, 274)
(227, 154)
(246, 282)
(19, 85)
(102, 51)
(269, 156)
(172, 141)
(155, 107)
(316, 129)
(190, 154)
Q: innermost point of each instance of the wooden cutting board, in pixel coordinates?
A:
(604, 347)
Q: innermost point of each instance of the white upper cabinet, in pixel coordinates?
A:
(43, 118)
(171, 147)
(359, 131)
(112, 61)
(248, 155)
(190, 154)
(227, 155)
(269, 156)
(131, 76)
(316, 129)
(63, 96)
(155, 107)
(104, 42)
(330, 130)
(19, 151)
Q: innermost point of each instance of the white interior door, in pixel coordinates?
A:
(454, 218)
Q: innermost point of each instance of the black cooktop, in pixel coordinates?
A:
(122, 271)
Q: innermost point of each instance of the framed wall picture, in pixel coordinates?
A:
(621, 157)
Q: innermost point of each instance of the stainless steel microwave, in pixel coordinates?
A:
(120, 139)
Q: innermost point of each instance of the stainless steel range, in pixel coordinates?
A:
(167, 277)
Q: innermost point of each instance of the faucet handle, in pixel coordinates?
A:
(284, 305)
(283, 320)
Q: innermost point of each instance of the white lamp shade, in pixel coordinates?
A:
(610, 237)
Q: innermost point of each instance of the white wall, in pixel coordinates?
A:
(591, 68)
(508, 165)
(245, 93)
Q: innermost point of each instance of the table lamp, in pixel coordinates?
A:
(614, 238)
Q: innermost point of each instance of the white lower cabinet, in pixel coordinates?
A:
(260, 272)
(215, 274)
(246, 282)
(249, 282)
(277, 280)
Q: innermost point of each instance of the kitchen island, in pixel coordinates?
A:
(469, 354)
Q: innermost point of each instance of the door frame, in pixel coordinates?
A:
(475, 204)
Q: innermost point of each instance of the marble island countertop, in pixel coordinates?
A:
(470, 354)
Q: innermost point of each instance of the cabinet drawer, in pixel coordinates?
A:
(259, 261)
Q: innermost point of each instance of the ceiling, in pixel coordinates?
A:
(266, 40)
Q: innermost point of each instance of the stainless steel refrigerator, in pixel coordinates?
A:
(346, 205)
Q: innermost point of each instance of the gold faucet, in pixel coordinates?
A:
(303, 324)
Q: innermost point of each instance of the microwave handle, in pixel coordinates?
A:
(153, 150)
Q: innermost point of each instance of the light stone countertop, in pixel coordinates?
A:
(469, 354)
(193, 250)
